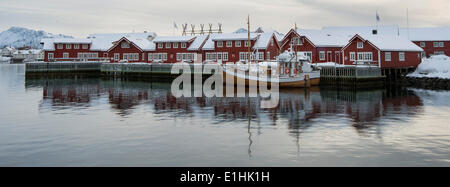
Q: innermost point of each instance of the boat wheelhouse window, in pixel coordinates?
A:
(387, 56)
(360, 45)
(401, 56)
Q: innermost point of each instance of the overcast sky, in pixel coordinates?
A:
(82, 17)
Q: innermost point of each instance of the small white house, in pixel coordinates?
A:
(7, 51)
(31, 54)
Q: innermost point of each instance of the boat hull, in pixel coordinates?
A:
(232, 79)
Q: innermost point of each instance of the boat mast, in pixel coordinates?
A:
(248, 40)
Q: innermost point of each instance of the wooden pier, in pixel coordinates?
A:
(364, 76)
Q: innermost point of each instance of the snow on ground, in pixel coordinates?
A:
(437, 66)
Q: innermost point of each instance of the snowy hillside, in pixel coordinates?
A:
(20, 37)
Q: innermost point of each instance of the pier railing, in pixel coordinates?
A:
(339, 75)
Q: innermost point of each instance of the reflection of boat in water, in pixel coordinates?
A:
(289, 70)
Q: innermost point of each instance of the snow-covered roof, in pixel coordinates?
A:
(323, 38)
(263, 40)
(142, 43)
(30, 51)
(350, 31)
(198, 43)
(391, 42)
(427, 34)
(102, 42)
(160, 39)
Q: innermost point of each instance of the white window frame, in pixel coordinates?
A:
(183, 45)
(268, 55)
(260, 55)
(50, 56)
(168, 45)
(322, 55)
(422, 44)
(150, 56)
(219, 44)
(160, 45)
(246, 44)
(68, 46)
(359, 45)
(388, 56)
(441, 44)
(352, 56)
(238, 43)
(124, 45)
(76, 46)
(229, 43)
(401, 56)
(116, 56)
(65, 55)
(225, 56)
(59, 46)
(85, 46)
(175, 45)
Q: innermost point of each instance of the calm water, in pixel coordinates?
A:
(94, 122)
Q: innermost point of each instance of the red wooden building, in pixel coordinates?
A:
(172, 49)
(434, 41)
(386, 51)
(319, 46)
(68, 49)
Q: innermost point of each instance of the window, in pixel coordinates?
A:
(76, 46)
(160, 45)
(125, 45)
(352, 56)
(164, 56)
(296, 41)
(220, 44)
(167, 45)
(271, 42)
(150, 57)
(441, 44)
(238, 43)
(116, 56)
(438, 44)
(178, 56)
(268, 56)
(322, 55)
(401, 56)
(246, 43)
(260, 55)
(50, 56)
(65, 55)
(84, 46)
(68, 46)
(360, 45)
(143, 56)
(439, 53)
(242, 56)
(183, 45)
(422, 44)
(225, 56)
(229, 44)
(360, 56)
(387, 56)
(60, 46)
(365, 56)
(175, 45)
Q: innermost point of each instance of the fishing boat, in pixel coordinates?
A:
(291, 69)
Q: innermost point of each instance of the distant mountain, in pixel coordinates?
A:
(20, 37)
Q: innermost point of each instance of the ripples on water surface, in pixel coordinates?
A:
(95, 122)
